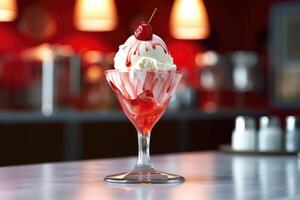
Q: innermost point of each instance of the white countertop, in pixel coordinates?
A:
(209, 175)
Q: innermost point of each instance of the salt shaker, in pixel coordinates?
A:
(244, 134)
(269, 135)
(292, 136)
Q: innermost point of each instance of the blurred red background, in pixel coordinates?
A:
(235, 25)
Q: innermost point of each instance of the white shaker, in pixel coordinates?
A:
(269, 135)
(244, 134)
(292, 136)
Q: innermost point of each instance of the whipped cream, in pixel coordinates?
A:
(144, 54)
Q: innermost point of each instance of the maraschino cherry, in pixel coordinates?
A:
(144, 30)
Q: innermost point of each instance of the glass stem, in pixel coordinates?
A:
(143, 156)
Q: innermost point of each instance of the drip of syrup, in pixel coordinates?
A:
(134, 48)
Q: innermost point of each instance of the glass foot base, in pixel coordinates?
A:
(144, 176)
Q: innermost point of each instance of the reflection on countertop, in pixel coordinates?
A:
(209, 175)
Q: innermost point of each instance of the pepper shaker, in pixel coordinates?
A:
(244, 134)
(292, 136)
(269, 135)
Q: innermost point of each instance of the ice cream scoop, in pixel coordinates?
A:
(144, 50)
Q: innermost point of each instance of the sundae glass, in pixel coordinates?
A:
(144, 80)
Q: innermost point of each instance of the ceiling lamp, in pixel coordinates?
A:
(189, 20)
(8, 10)
(95, 15)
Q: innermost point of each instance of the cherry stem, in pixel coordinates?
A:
(152, 15)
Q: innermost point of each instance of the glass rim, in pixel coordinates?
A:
(143, 70)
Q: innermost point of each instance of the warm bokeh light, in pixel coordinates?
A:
(8, 10)
(93, 56)
(95, 15)
(207, 58)
(189, 20)
(94, 74)
(45, 52)
(40, 53)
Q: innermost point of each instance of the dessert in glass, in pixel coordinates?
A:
(143, 80)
